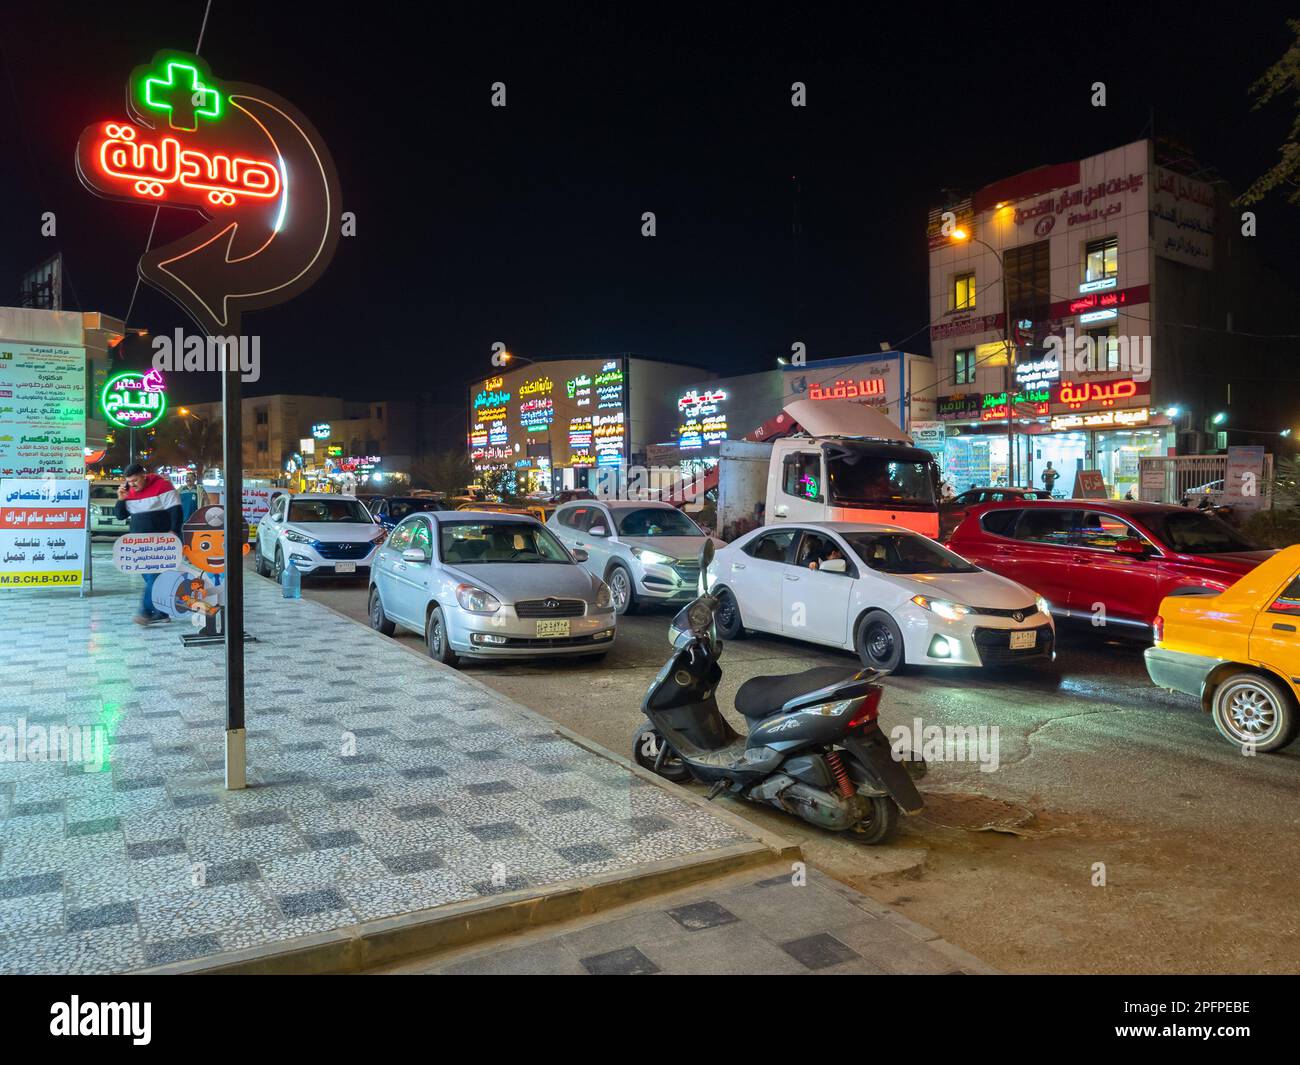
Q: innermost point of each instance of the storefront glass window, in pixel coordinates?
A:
(1118, 453)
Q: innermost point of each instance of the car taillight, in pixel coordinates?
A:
(869, 709)
(1159, 628)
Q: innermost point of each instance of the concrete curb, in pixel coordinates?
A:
(357, 947)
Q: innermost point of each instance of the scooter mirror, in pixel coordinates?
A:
(706, 560)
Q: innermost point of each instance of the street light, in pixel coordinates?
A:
(1221, 417)
(960, 236)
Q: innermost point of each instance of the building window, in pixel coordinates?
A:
(263, 417)
(1105, 348)
(261, 447)
(379, 414)
(964, 366)
(1029, 281)
(1101, 259)
(963, 292)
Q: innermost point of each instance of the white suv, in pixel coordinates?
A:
(645, 551)
(317, 534)
(103, 509)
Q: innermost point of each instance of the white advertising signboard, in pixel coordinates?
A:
(43, 539)
(1183, 213)
(1243, 486)
(42, 410)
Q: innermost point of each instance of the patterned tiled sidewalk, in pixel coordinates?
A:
(752, 923)
(445, 794)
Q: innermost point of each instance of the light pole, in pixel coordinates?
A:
(961, 236)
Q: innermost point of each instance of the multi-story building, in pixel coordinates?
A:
(1091, 313)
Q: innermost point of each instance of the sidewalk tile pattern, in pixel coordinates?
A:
(380, 784)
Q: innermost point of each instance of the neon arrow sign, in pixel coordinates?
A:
(242, 157)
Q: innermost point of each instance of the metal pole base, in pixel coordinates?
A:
(236, 761)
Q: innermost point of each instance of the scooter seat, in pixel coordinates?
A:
(761, 697)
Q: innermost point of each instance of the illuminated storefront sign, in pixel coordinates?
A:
(1101, 419)
(1098, 316)
(1104, 393)
(1030, 401)
(1099, 285)
(321, 430)
(871, 389)
(245, 159)
(1037, 372)
(491, 398)
(609, 435)
(134, 400)
(578, 389)
(536, 415)
(540, 387)
(705, 423)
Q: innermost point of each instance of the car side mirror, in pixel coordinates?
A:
(598, 530)
(834, 565)
(579, 555)
(415, 554)
(1131, 546)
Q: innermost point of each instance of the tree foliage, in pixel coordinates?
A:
(1280, 80)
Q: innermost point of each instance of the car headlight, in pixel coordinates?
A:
(296, 537)
(654, 558)
(477, 600)
(379, 537)
(1044, 607)
(603, 599)
(947, 610)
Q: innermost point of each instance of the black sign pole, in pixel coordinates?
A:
(233, 469)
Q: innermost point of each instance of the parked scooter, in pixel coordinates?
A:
(814, 747)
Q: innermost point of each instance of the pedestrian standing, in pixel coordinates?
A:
(193, 496)
(1049, 478)
(152, 505)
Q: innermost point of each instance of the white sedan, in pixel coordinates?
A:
(895, 597)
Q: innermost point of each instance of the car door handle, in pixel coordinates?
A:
(1284, 628)
(737, 565)
(791, 576)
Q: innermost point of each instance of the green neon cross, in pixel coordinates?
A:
(182, 95)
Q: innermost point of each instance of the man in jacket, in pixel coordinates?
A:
(152, 505)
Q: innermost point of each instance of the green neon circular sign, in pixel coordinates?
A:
(134, 400)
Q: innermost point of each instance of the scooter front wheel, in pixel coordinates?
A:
(651, 752)
(880, 823)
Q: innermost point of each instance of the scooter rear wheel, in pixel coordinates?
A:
(646, 745)
(880, 823)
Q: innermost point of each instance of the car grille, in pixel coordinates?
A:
(558, 641)
(551, 608)
(687, 572)
(996, 612)
(344, 550)
(994, 645)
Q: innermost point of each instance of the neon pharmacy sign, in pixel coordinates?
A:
(133, 400)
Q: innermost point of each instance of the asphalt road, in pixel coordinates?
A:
(1101, 773)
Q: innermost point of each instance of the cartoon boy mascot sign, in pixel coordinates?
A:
(195, 590)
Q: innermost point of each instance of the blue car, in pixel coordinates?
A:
(390, 510)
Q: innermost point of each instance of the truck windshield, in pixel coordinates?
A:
(861, 479)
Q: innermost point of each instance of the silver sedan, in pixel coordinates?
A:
(485, 585)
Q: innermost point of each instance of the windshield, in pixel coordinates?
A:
(399, 509)
(858, 479)
(328, 510)
(656, 521)
(905, 553)
(1193, 533)
(467, 543)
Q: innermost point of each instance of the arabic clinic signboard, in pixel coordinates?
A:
(42, 410)
(147, 552)
(43, 533)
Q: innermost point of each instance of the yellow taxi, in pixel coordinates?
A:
(1238, 651)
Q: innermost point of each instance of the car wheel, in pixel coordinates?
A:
(879, 642)
(646, 745)
(277, 574)
(435, 639)
(621, 589)
(730, 625)
(259, 563)
(1250, 709)
(880, 823)
(378, 619)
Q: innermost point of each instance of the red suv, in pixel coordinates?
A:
(1079, 553)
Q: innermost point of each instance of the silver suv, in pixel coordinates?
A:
(644, 551)
(103, 509)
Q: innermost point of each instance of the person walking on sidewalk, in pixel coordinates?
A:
(152, 505)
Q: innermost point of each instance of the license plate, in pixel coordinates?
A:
(553, 628)
(345, 567)
(1021, 640)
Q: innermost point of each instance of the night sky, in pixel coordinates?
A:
(522, 224)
